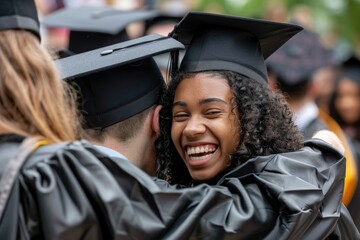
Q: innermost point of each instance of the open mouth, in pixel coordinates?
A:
(200, 152)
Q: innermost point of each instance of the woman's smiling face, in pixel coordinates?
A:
(205, 126)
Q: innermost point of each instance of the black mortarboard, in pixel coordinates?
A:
(219, 42)
(63, 53)
(351, 69)
(163, 60)
(117, 81)
(296, 60)
(95, 27)
(19, 14)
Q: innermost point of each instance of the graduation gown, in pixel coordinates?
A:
(324, 121)
(64, 191)
(353, 206)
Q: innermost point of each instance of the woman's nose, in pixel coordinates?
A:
(194, 127)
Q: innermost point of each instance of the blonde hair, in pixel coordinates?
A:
(33, 98)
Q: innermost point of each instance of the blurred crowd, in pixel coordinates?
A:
(319, 76)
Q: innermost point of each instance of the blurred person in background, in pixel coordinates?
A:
(51, 37)
(94, 27)
(170, 13)
(79, 27)
(302, 15)
(345, 101)
(275, 11)
(344, 107)
(57, 37)
(324, 83)
(290, 70)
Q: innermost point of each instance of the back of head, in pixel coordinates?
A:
(112, 96)
(119, 81)
(29, 79)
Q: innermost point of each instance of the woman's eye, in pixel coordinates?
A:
(180, 116)
(213, 113)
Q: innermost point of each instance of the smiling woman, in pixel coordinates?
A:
(220, 119)
(222, 125)
(205, 128)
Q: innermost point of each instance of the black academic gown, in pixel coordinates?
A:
(314, 126)
(355, 200)
(64, 192)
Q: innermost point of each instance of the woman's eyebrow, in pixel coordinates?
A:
(180, 103)
(202, 101)
(214, 99)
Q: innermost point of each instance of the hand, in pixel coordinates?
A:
(330, 138)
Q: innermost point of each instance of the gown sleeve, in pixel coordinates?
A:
(66, 192)
(284, 178)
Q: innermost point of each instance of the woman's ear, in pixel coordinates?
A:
(155, 124)
(272, 81)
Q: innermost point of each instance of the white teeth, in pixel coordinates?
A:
(200, 149)
(191, 151)
(199, 158)
(197, 150)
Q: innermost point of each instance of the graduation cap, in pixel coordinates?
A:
(296, 60)
(63, 53)
(93, 27)
(19, 14)
(219, 42)
(163, 60)
(351, 69)
(117, 81)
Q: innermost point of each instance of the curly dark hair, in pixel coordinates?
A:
(265, 121)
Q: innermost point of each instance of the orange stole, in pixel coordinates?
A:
(351, 175)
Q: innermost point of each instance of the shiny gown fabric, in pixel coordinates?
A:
(71, 191)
